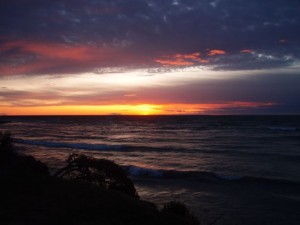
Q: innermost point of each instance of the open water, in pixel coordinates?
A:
(227, 169)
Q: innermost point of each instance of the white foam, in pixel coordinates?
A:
(283, 128)
(139, 171)
(229, 177)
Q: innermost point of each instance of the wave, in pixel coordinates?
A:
(83, 146)
(143, 172)
(283, 128)
(140, 172)
(98, 147)
(128, 148)
(202, 176)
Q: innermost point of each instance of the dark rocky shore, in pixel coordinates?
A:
(29, 195)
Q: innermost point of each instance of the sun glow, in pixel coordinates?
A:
(146, 109)
(139, 109)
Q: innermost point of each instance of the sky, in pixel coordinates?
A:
(144, 57)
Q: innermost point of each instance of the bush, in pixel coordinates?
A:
(179, 209)
(176, 208)
(5, 142)
(30, 163)
(5, 139)
(16, 161)
(98, 172)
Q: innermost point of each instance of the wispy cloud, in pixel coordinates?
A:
(59, 37)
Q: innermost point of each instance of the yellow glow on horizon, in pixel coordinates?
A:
(139, 109)
(146, 109)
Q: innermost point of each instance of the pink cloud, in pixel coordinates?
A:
(216, 52)
(31, 57)
(56, 50)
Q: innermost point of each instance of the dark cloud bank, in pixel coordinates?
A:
(134, 33)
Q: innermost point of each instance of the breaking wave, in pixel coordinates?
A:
(128, 148)
(283, 128)
(68, 145)
(203, 176)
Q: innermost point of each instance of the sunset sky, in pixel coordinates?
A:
(149, 57)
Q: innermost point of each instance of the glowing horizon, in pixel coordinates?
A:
(139, 109)
(149, 57)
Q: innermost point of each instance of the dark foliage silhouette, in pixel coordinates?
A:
(180, 209)
(31, 163)
(5, 142)
(17, 161)
(98, 172)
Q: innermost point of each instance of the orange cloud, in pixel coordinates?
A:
(188, 56)
(203, 60)
(216, 52)
(181, 59)
(176, 62)
(246, 51)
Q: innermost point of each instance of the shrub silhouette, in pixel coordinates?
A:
(180, 209)
(5, 143)
(98, 172)
(6, 146)
(16, 161)
(29, 162)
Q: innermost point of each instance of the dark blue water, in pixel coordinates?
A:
(234, 166)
